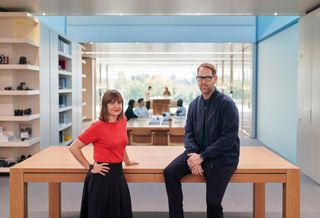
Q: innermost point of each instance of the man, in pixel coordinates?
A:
(211, 146)
(141, 110)
(147, 94)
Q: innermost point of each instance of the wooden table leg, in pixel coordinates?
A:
(54, 200)
(18, 194)
(259, 200)
(291, 195)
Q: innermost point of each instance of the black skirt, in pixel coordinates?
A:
(106, 196)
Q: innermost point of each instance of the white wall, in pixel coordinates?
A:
(277, 92)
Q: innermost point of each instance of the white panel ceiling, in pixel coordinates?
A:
(161, 7)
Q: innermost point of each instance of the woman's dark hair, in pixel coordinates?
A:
(131, 103)
(110, 96)
(179, 102)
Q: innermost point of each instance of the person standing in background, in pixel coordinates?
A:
(147, 95)
(166, 92)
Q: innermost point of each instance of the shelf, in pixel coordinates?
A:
(83, 61)
(20, 118)
(84, 103)
(64, 126)
(62, 91)
(84, 90)
(84, 76)
(62, 109)
(18, 92)
(65, 73)
(64, 55)
(19, 15)
(66, 142)
(84, 117)
(19, 67)
(19, 143)
(18, 41)
(4, 169)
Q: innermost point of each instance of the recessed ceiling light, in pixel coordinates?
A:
(183, 43)
(43, 14)
(120, 14)
(137, 43)
(91, 43)
(197, 14)
(229, 43)
(275, 14)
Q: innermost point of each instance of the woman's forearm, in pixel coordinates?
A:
(75, 149)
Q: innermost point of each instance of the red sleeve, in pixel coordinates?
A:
(90, 135)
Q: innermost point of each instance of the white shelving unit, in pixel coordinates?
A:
(19, 36)
(64, 95)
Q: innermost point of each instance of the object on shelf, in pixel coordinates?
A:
(23, 157)
(27, 111)
(62, 118)
(62, 83)
(67, 137)
(7, 162)
(25, 133)
(22, 60)
(21, 112)
(61, 136)
(18, 112)
(62, 65)
(5, 136)
(62, 100)
(23, 86)
(4, 59)
(61, 46)
(8, 88)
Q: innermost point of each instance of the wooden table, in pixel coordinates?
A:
(55, 165)
(161, 129)
(160, 104)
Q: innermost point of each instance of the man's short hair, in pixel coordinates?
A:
(140, 99)
(149, 87)
(210, 66)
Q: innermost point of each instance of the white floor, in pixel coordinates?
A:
(152, 198)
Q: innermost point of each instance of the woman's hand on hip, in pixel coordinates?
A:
(100, 168)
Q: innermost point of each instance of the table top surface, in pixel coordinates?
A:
(152, 159)
(156, 122)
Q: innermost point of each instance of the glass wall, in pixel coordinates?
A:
(132, 74)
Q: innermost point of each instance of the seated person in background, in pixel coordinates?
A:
(141, 110)
(181, 111)
(166, 92)
(129, 112)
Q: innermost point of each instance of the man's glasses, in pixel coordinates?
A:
(205, 78)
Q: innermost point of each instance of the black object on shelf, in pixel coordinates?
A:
(18, 112)
(8, 88)
(22, 60)
(27, 111)
(23, 86)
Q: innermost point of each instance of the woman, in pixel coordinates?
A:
(105, 191)
(166, 92)
(129, 112)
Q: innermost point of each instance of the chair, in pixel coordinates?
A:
(176, 136)
(140, 136)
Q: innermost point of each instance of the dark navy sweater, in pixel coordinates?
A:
(217, 118)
